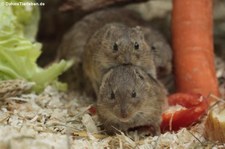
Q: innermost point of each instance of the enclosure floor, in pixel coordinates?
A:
(58, 120)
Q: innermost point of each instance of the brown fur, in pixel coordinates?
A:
(99, 55)
(124, 111)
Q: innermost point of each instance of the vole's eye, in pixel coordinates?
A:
(133, 94)
(112, 96)
(136, 46)
(140, 76)
(153, 48)
(115, 47)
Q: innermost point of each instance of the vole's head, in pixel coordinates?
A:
(119, 44)
(161, 51)
(123, 92)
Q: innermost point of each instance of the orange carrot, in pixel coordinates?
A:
(192, 39)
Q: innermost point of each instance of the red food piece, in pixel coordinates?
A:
(92, 110)
(194, 105)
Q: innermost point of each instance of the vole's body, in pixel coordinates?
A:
(91, 42)
(129, 97)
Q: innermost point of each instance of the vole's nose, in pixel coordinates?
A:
(123, 113)
(127, 59)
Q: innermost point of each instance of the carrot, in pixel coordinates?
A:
(192, 40)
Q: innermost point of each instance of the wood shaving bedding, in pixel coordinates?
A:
(47, 123)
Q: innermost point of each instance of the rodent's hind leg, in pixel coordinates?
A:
(111, 130)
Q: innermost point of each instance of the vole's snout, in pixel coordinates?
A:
(127, 59)
(123, 113)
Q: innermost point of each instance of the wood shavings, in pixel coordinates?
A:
(89, 124)
(51, 120)
(66, 121)
(3, 116)
(10, 88)
(125, 141)
(85, 134)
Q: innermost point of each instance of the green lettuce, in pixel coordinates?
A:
(19, 52)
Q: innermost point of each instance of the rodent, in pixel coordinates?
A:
(85, 44)
(116, 44)
(129, 97)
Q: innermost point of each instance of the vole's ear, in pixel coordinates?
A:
(137, 30)
(111, 29)
(105, 32)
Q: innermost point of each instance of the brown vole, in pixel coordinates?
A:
(112, 28)
(116, 44)
(129, 97)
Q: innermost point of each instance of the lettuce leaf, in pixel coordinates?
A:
(19, 52)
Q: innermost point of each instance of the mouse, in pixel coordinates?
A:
(129, 97)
